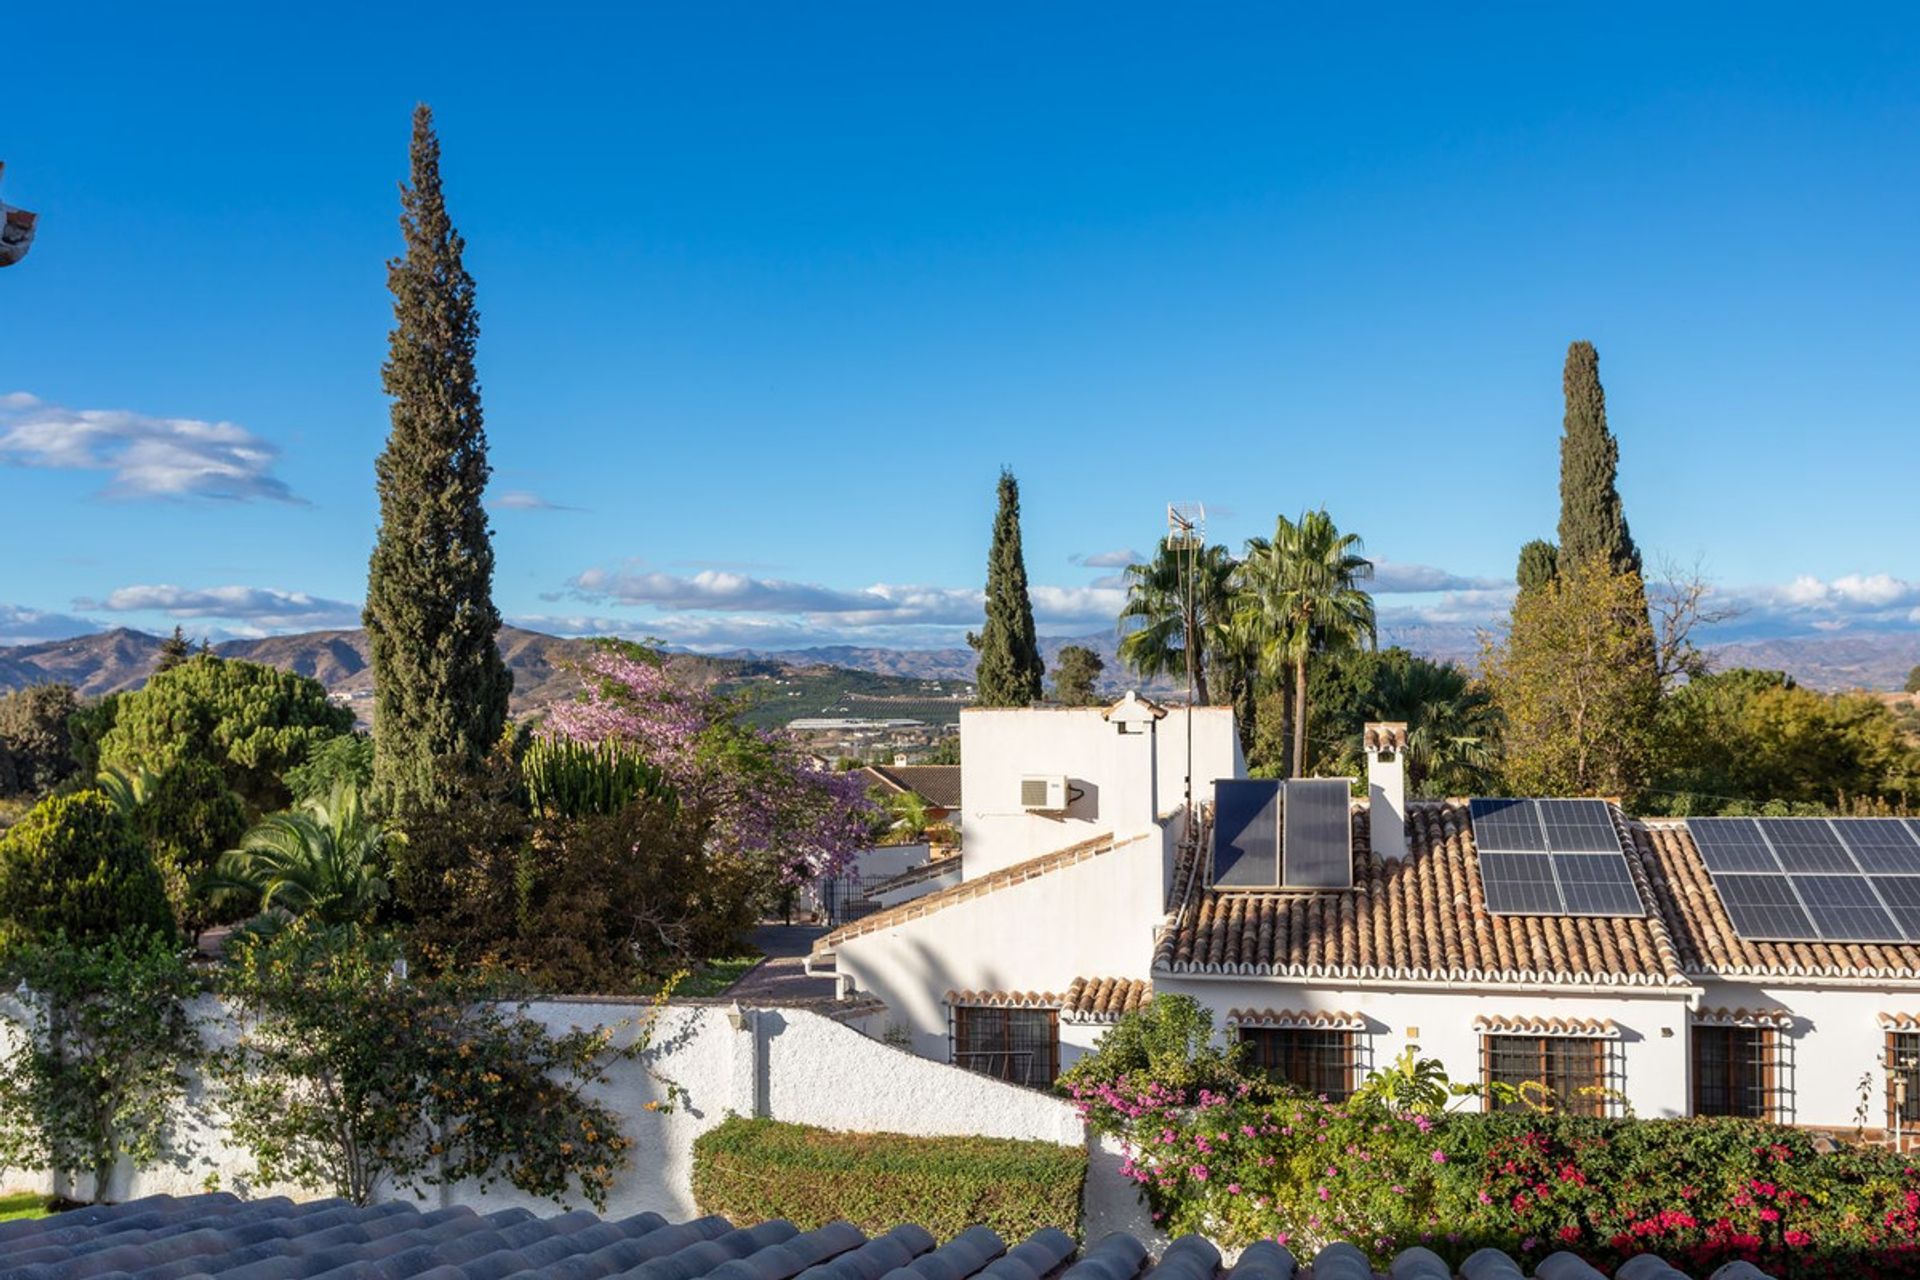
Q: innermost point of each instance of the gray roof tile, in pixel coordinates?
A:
(225, 1238)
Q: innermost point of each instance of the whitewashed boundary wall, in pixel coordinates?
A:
(791, 1064)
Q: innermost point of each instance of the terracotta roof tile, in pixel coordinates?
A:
(1309, 1019)
(1421, 919)
(1704, 936)
(1719, 1016)
(1498, 1025)
(1105, 999)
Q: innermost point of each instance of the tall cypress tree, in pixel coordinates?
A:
(1010, 669)
(1592, 523)
(440, 686)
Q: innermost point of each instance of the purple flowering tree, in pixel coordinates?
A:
(768, 803)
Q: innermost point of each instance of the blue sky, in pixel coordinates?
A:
(770, 293)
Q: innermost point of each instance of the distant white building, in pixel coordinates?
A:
(1088, 887)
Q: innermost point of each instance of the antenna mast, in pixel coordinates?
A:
(1186, 536)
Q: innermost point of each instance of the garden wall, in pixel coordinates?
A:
(789, 1064)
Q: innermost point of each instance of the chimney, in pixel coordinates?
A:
(1386, 746)
(1136, 806)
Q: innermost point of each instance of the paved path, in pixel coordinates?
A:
(779, 979)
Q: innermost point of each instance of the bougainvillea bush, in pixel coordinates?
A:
(1242, 1164)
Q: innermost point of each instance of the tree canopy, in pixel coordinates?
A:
(440, 684)
(1572, 681)
(1010, 669)
(74, 867)
(1593, 523)
(36, 743)
(1076, 673)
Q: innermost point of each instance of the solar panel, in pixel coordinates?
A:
(1880, 844)
(1846, 907)
(1732, 844)
(1807, 844)
(1597, 884)
(1318, 850)
(1552, 857)
(1507, 825)
(1519, 884)
(1764, 906)
(1902, 896)
(1246, 833)
(1578, 826)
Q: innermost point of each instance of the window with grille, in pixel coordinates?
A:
(1572, 1069)
(1313, 1061)
(1903, 1067)
(1734, 1072)
(1021, 1045)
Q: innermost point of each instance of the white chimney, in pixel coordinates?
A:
(1136, 804)
(1387, 789)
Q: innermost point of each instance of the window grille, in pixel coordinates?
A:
(1575, 1071)
(1736, 1072)
(1903, 1064)
(1019, 1045)
(1314, 1061)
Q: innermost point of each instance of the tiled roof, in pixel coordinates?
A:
(1720, 1016)
(1501, 1025)
(1300, 1019)
(1105, 999)
(276, 1239)
(1421, 919)
(1087, 1000)
(1705, 937)
(967, 890)
(1900, 1021)
(937, 784)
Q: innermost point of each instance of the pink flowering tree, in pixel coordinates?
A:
(765, 800)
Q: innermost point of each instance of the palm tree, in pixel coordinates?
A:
(1301, 593)
(1157, 594)
(1451, 726)
(126, 791)
(322, 860)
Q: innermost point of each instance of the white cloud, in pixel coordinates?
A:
(810, 613)
(1395, 577)
(146, 456)
(1116, 559)
(263, 608)
(21, 625)
(526, 500)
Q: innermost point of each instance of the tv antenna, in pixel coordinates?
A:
(1186, 538)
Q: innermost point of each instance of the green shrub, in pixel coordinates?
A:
(189, 817)
(73, 865)
(754, 1170)
(97, 1069)
(255, 722)
(1170, 1042)
(1700, 1192)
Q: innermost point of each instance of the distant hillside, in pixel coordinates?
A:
(777, 690)
(839, 680)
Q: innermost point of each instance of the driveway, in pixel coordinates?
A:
(779, 979)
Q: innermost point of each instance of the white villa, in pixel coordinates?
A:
(1088, 884)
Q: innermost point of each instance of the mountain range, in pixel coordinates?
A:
(109, 661)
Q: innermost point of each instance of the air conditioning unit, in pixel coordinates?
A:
(1043, 793)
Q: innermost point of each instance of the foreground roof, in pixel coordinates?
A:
(277, 1239)
(1421, 919)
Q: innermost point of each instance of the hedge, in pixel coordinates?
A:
(754, 1170)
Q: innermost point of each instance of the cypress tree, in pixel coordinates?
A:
(440, 686)
(1592, 523)
(1010, 668)
(1539, 563)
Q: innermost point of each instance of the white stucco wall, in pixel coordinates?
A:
(794, 1065)
(1094, 919)
(1835, 1038)
(1124, 780)
(1652, 1045)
